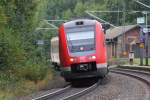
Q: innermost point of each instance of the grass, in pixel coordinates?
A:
(5, 95)
(12, 86)
(137, 61)
(122, 61)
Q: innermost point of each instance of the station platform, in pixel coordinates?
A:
(128, 65)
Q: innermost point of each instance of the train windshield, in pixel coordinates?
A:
(81, 40)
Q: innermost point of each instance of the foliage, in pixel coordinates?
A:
(69, 9)
(33, 72)
(19, 56)
(18, 37)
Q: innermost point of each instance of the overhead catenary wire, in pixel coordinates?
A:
(49, 22)
(94, 16)
(141, 3)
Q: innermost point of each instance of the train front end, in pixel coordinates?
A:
(82, 50)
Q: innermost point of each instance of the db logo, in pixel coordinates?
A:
(82, 59)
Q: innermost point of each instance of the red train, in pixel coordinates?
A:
(82, 50)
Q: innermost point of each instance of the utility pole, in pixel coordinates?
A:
(123, 35)
(146, 40)
(141, 45)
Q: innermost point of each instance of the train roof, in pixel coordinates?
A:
(79, 22)
(54, 39)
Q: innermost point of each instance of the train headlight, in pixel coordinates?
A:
(93, 57)
(71, 59)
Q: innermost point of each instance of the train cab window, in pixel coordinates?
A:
(81, 40)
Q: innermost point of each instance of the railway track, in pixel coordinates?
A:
(51, 94)
(71, 93)
(67, 93)
(141, 75)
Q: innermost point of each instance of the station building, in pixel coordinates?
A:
(124, 39)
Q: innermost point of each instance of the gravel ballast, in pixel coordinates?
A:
(119, 87)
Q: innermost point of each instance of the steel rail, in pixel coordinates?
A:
(80, 93)
(134, 71)
(69, 97)
(147, 69)
(60, 91)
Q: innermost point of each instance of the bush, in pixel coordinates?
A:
(11, 50)
(7, 80)
(33, 72)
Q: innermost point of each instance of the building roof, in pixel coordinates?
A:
(115, 32)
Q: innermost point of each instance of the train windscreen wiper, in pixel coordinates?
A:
(70, 42)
